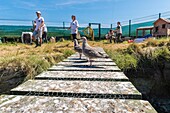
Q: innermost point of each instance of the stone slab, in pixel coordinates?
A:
(40, 104)
(87, 89)
(87, 63)
(79, 75)
(84, 68)
(76, 59)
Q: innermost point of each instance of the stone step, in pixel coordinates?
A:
(82, 89)
(83, 56)
(79, 75)
(41, 104)
(86, 63)
(85, 68)
(76, 59)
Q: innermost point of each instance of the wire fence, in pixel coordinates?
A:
(15, 27)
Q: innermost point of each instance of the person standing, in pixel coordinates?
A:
(37, 34)
(119, 32)
(74, 27)
(44, 31)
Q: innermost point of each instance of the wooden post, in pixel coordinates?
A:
(89, 24)
(130, 28)
(159, 15)
(63, 25)
(100, 31)
(111, 26)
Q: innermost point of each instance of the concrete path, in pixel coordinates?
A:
(72, 86)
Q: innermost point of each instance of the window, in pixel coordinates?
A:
(156, 29)
(163, 26)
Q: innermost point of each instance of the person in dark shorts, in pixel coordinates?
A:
(74, 27)
(119, 32)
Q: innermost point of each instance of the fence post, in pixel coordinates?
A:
(159, 15)
(63, 25)
(100, 31)
(130, 28)
(111, 26)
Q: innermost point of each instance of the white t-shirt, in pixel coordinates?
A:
(45, 28)
(119, 29)
(74, 24)
(38, 22)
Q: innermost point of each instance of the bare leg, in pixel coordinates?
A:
(40, 41)
(90, 63)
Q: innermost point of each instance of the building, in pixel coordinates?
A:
(144, 31)
(161, 27)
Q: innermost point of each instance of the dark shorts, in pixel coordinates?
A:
(44, 36)
(119, 37)
(74, 36)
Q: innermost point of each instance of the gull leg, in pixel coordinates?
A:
(91, 62)
(80, 55)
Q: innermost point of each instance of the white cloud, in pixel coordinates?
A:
(75, 2)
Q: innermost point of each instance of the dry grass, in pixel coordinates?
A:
(25, 59)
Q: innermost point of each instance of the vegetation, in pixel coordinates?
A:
(146, 64)
(19, 60)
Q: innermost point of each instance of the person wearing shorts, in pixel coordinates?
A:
(119, 32)
(74, 27)
(37, 34)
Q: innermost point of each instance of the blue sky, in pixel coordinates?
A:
(103, 11)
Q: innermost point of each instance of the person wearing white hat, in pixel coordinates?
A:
(37, 34)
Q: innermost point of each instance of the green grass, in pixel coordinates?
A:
(152, 54)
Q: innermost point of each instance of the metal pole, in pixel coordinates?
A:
(100, 31)
(89, 24)
(63, 25)
(159, 15)
(130, 28)
(111, 26)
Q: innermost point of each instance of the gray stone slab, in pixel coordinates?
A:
(84, 68)
(87, 63)
(83, 56)
(40, 104)
(86, 75)
(76, 59)
(89, 89)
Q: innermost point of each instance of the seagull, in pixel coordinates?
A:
(90, 52)
(77, 47)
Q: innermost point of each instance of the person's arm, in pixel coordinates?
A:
(77, 25)
(43, 30)
(118, 27)
(69, 28)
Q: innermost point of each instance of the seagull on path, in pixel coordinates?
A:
(90, 52)
(77, 47)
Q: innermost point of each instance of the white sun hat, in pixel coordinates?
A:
(38, 12)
